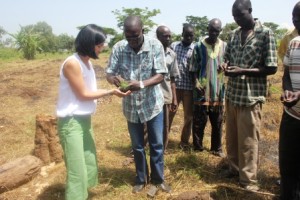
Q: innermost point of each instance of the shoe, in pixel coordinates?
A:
(152, 191)
(165, 187)
(251, 188)
(131, 153)
(218, 153)
(184, 147)
(278, 182)
(198, 149)
(227, 173)
(166, 152)
(137, 188)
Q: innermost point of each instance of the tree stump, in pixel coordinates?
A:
(47, 145)
(18, 172)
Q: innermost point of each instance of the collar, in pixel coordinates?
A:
(145, 47)
(258, 27)
(191, 46)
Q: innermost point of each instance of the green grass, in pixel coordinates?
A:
(9, 54)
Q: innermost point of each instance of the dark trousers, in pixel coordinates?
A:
(200, 117)
(289, 157)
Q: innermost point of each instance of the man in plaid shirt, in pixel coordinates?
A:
(184, 83)
(250, 57)
(140, 61)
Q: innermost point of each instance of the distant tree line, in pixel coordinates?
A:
(35, 38)
(32, 39)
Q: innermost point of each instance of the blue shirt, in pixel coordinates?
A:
(142, 105)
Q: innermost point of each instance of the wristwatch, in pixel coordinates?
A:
(141, 85)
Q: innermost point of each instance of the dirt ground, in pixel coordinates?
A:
(28, 88)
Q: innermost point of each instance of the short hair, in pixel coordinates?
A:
(133, 20)
(296, 7)
(87, 38)
(246, 4)
(187, 26)
(160, 29)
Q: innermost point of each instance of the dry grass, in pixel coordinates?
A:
(29, 88)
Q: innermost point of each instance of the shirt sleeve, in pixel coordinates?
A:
(112, 67)
(270, 51)
(174, 71)
(159, 61)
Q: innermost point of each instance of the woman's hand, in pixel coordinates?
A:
(119, 93)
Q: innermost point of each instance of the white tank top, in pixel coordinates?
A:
(68, 104)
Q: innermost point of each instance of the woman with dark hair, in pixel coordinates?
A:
(77, 100)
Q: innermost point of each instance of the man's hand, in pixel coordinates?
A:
(116, 80)
(233, 71)
(174, 106)
(290, 98)
(199, 88)
(223, 66)
(134, 85)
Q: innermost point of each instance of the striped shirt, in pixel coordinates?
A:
(292, 61)
(184, 56)
(259, 50)
(142, 105)
(206, 62)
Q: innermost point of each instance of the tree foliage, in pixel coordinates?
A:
(27, 41)
(2, 32)
(278, 32)
(200, 25)
(226, 31)
(47, 41)
(145, 15)
(65, 42)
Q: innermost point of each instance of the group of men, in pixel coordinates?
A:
(161, 76)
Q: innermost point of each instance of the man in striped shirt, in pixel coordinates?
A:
(209, 88)
(250, 56)
(289, 148)
(284, 43)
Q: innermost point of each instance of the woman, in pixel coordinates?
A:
(76, 103)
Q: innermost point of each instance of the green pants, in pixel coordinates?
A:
(76, 137)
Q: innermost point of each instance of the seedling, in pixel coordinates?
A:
(124, 86)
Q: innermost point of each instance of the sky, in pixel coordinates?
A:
(65, 15)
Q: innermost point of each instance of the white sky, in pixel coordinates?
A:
(65, 15)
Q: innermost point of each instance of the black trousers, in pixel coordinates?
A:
(289, 157)
(200, 117)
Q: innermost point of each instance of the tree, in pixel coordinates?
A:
(227, 30)
(271, 25)
(27, 41)
(48, 41)
(278, 32)
(65, 42)
(2, 32)
(145, 15)
(200, 25)
(112, 35)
